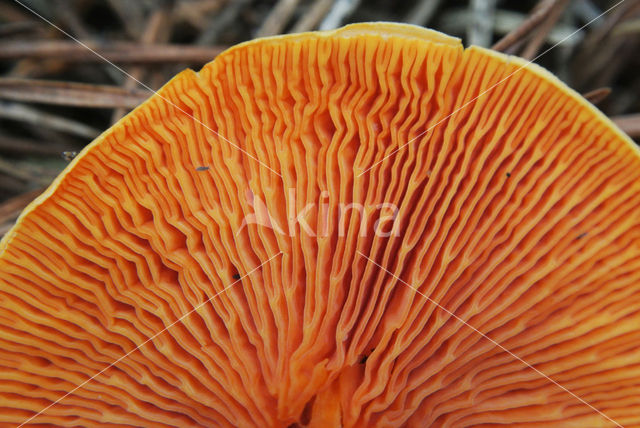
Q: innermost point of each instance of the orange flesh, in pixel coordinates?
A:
(519, 212)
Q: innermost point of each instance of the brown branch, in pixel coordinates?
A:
(70, 93)
(629, 123)
(13, 28)
(160, 19)
(539, 14)
(314, 15)
(123, 52)
(597, 95)
(277, 18)
(539, 37)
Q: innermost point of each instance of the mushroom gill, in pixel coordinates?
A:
(364, 227)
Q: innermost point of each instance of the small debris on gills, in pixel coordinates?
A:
(68, 156)
(366, 356)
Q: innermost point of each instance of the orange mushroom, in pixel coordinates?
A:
(364, 227)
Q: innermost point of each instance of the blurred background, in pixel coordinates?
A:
(58, 91)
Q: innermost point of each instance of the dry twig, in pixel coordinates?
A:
(13, 28)
(160, 20)
(629, 123)
(340, 10)
(597, 95)
(310, 20)
(540, 36)
(539, 14)
(123, 52)
(277, 18)
(69, 93)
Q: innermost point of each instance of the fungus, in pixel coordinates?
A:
(120, 298)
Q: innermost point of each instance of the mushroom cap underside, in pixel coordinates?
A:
(365, 227)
